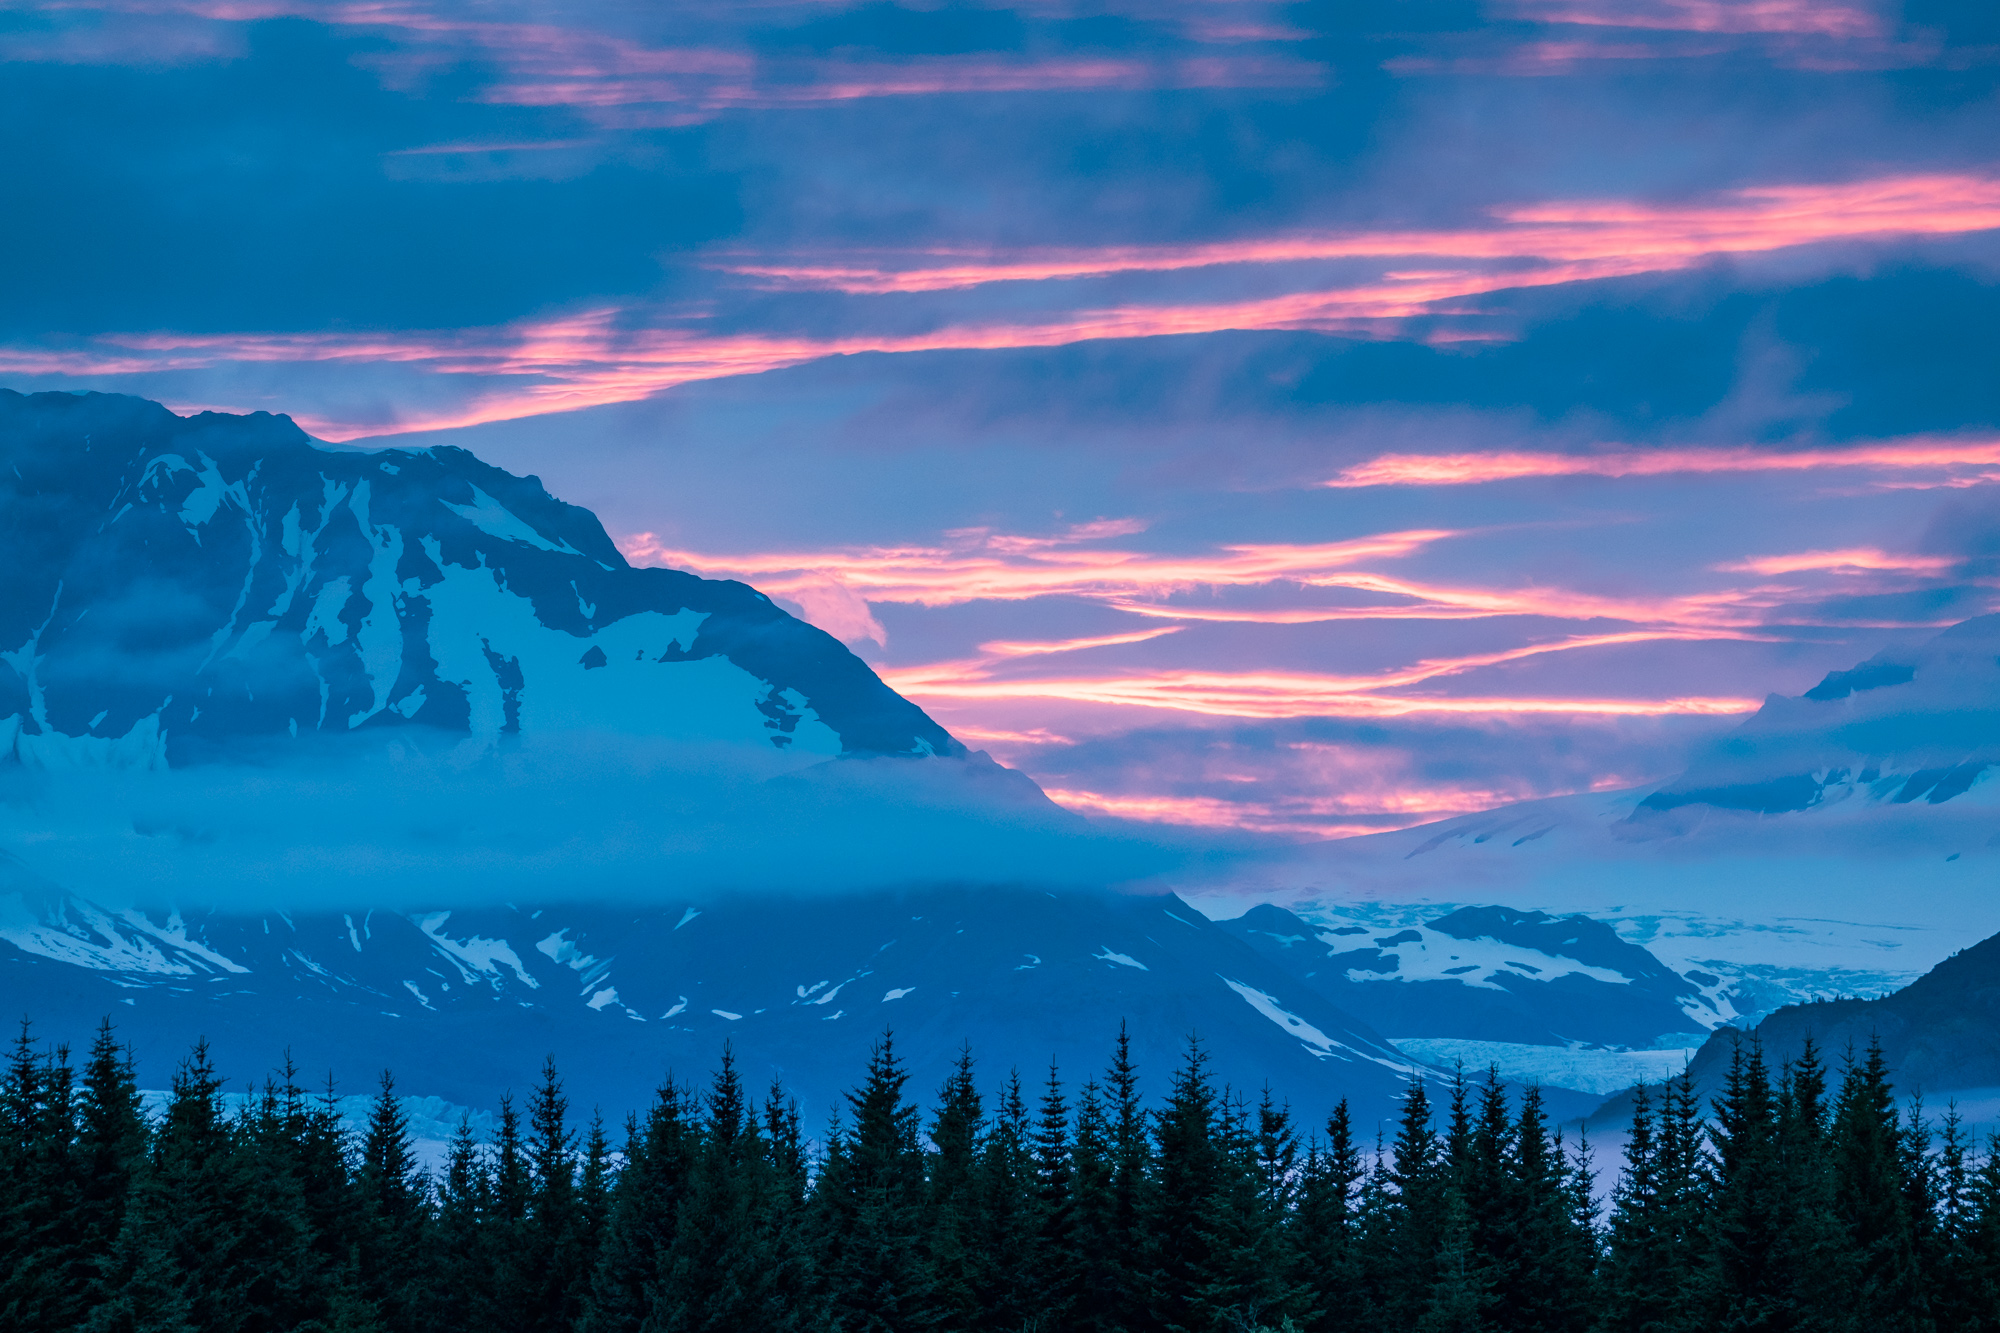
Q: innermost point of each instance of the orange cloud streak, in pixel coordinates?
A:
(591, 358)
(989, 567)
(1854, 560)
(1472, 469)
(1250, 816)
(553, 65)
(1274, 695)
(1626, 237)
(1265, 694)
(1003, 648)
(1815, 17)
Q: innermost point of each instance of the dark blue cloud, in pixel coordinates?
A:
(902, 30)
(256, 193)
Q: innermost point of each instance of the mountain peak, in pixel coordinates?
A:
(188, 587)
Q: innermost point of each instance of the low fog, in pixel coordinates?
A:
(424, 820)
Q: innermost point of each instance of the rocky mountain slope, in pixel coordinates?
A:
(211, 585)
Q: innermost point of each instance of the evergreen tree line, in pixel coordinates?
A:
(1781, 1205)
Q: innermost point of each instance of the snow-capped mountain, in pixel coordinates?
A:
(1488, 974)
(1904, 726)
(1562, 1001)
(180, 587)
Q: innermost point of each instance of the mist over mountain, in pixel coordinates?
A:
(242, 667)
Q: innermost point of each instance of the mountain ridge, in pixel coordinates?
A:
(239, 583)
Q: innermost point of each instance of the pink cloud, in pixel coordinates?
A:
(1854, 560)
(985, 566)
(1816, 17)
(1627, 236)
(1288, 694)
(836, 608)
(543, 64)
(1355, 804)
(1004, 648)
(1923, 452)
(753, 86)
(1215, 812)
(1273, 695)
(594, 357)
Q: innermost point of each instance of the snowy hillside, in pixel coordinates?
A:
(463, 1004)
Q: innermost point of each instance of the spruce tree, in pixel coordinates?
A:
(512, 1289)
(595, 1181)
(111, 1143)
(45, 1267)
(1251, 1284)
(1098, 1305)
(1459, 1291)
(1744, 1283)
(1057, 1276)
(1982, 1231)
(1641, 1289)
(1181, 1205)
(868, 1207)
(1325, 1226)
(645, 1212)
(718, 1276)
(553, 1260)
(785, 1241)
(1407, 1214)
(1128, 1258)
(287, 1278)
(1870, 1197)
(394, 1215)
(951, 1199)
(455, 1266)
(181, 1260)
(1547, 1275)
(1004, 1224)
(1950, 1268)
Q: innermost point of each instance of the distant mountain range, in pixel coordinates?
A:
(1839, 842)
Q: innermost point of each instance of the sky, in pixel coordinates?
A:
(1302, 419)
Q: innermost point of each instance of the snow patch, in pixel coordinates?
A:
(1309, 1036)
(496, 520)
(476, 956)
